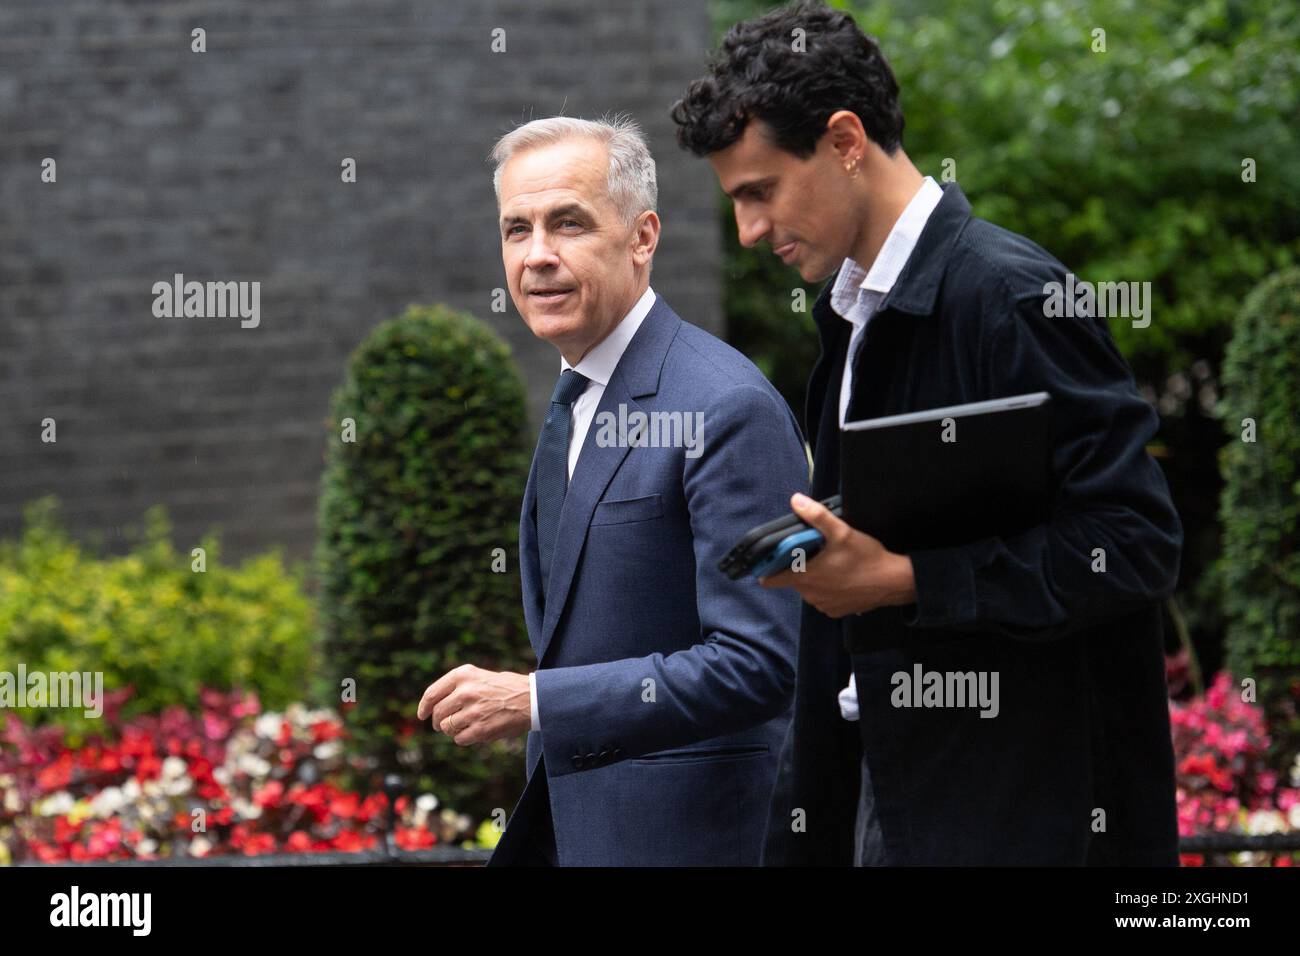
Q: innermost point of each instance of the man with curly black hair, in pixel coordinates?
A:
(929, 307)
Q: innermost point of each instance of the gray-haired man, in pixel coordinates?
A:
(663, 689)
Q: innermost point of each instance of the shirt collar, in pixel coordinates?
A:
(598, 364)
(893, 255)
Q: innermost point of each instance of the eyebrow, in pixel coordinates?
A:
(752, 185)
(566, 209)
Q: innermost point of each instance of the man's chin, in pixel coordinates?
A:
(555, 329)
(818, 272)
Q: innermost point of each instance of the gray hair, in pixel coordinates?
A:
(632, 184)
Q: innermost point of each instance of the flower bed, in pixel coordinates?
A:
(1224, 782)
(234, 780)
(228, 780)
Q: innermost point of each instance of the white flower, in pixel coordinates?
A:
(246, 809)
(253, 765)
(108, 802)
(131, 790)
(56, 804)
(147, 847)
(1265, 821)
(327, 750)
(176, 788)
(200, 846)
(1294, 816)
(173, 767)
(268, 726)
(426, 802)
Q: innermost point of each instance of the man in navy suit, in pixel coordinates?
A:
(663, 689)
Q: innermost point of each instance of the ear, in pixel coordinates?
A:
(846, 135)
(645, 237)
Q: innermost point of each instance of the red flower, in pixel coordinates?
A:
(269, 795)
(349, 841)
(323, 730)
(57, 775)
(413, 838)
(345, 805)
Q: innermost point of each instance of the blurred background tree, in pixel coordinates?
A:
(418, 546)
(1260, 566)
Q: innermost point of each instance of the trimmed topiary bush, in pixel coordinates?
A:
(147, 621)
(1260, 505)
(418, 524)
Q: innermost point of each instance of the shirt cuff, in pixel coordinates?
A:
(532, 697)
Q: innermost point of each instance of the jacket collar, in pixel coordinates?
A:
(917, 286)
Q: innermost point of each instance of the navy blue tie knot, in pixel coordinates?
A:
(569, 386)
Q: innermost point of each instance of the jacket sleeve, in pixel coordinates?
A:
(741, 672)
(1111, 507)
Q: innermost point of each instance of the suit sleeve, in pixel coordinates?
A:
(1111, 509)
(741, 672)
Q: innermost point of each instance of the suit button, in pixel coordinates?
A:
(577, 761)
(618, 751)
(604, 755)
(591, 760)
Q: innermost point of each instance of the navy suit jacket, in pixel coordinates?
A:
(664, 688)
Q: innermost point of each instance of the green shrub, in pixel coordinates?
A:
(1260, 505)
(148, 620)
(411, 514)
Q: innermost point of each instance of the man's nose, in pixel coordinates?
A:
(541, 254)
(750, 228)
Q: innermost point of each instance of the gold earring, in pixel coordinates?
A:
(852, 169)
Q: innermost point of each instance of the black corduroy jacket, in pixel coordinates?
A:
(1077, 765)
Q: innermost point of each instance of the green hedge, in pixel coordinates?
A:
(1260, 505)
(147, 620)
(410, 516)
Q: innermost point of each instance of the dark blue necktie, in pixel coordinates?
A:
(553, 465)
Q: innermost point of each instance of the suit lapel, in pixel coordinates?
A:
(636, 376)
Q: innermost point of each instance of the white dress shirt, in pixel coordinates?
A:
(856, 295)
(598, 366)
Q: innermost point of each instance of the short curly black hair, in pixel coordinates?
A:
(758, 74)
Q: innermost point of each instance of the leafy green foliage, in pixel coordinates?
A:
(1260, 505)
(146, 620)
(410, 516)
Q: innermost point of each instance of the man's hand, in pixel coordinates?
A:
(852, 573)
(475, 706)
